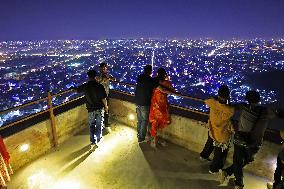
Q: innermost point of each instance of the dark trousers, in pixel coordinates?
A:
(278, 173)
(106, 124)
(219, 158)
(242, 156)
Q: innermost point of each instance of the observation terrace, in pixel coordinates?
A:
(50, 149)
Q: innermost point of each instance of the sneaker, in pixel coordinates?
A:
(100, 141)
(222, 176)
(140, 140)
(93, 146)
(153, 144)
(108, 129)
(163, 143)
(204, 159)
(239, 187)
(269, 185)
(213, 173)
(148, 139)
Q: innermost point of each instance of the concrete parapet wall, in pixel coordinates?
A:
(192, 135)
(183, 131)
(39, 136)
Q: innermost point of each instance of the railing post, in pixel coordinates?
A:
(52, 119)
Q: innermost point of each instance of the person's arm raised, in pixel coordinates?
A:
(166, 87)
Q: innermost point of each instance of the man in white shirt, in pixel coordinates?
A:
(104, 78)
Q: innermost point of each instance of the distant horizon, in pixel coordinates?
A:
(149, 38)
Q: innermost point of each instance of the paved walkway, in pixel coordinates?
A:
(120, 162)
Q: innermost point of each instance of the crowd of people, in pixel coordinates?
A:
(96, 92)
(242, 125)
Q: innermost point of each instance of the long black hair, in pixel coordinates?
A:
(161, 74)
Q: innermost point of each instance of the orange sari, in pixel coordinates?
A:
(5, 167)
(159, 116)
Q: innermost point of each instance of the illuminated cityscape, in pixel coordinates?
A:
(28, 69)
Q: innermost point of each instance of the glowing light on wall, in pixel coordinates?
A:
(131, 116)
(24, 147)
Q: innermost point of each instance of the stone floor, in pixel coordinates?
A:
(120, 162)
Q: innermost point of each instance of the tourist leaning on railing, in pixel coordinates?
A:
(143, 93)
(248, 137)
(220, 129)
(96, 103)
(279, 171)
(159, 116)
(5, 167)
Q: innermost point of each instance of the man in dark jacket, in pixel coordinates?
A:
(143, 94)
(248, 137)
(279, 171)
(95, 96)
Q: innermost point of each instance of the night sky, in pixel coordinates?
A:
(100, 19)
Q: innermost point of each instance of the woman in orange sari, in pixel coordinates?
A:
(159, 116)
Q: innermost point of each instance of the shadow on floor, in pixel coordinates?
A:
(177, 167)
(73, 164)
(75, 154)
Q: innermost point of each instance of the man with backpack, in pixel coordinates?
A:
(248, 137)
(279, 171)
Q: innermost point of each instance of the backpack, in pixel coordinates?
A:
(247, 122)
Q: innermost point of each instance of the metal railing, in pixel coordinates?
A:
(51, 108)
(179, 95)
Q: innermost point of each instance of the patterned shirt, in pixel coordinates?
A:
(220, 127)
(105, 81)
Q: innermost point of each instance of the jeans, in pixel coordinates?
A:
(242, 156)
(143, 125)
(219, 158)
(96, 123)
(278, 173)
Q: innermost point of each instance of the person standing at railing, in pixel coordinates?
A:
(143, 93)
(96, 103)
(159, 110)
(220, 129)
(279, 171)
(104, 78)
(5, 167)
(248, 136)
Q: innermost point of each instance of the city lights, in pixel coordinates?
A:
(196, 67)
